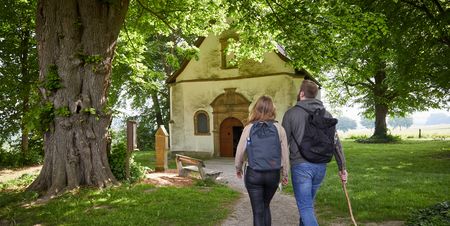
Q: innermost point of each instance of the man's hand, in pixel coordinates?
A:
(239, 174)
(284, 181)
(343, 174)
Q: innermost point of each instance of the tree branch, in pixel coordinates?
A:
(438, 5)
(157, 16)
(359, 84)
(275, 15)
(370, 81)
(420, 7)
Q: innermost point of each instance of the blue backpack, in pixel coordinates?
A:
(264, 147)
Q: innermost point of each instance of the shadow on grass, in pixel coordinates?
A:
(204, 203)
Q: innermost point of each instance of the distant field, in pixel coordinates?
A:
(430, 132)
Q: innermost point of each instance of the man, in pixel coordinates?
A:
(307, 176)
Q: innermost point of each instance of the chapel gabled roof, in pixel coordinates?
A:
(281, 53)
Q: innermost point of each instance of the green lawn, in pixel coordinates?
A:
(138, 204)
(148, 158)
(386, 181)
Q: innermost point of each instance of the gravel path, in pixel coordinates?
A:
(283, 207)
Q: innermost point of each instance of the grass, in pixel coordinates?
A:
(204, 203)
(148, 158)
(139, 204)
(387, 181)
(431, 132)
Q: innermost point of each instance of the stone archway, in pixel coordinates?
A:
(228, 105)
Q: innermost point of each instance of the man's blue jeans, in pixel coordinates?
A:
(306, 180)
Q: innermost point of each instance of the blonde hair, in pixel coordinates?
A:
(263, 110)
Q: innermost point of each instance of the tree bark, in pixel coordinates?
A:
(380, 121)
(78, 38)
(381, 107)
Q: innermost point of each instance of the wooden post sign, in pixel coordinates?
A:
(131, 145)
(161, 148)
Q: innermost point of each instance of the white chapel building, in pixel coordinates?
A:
(210, 99)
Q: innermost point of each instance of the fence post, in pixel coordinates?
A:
(161, 148)
(131, 145)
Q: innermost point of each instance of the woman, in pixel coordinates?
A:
(261, 182)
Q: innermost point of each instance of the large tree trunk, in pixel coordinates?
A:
(380, 121)
(77, 38)
(381, 107)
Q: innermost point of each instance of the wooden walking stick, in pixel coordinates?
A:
(344, 186)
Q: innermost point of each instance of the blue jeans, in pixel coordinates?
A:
(306, 180)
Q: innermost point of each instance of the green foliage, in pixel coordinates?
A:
(90, 111)
(358, 137)
(206, 183)
(435, 215)
(18, 66)
(10, 158)
(359, 49)
(117, 160)
(378, 140)
(52, 79)
(152, 45)
(13, 157)
(89, 59)
(62, 111)
(39, 118)
(94, 59)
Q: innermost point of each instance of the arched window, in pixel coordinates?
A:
(201, 123)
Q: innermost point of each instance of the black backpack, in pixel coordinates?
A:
(264, 147)
(317, 145)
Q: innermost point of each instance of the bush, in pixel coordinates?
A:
(431, 216)
(117, 160)
(357, 137)
(13, 157)
(10, 158)
(378, 140)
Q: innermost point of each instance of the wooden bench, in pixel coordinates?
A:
(186, 164)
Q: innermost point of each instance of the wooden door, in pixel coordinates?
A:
(228, 145)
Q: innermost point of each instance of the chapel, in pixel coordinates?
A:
(210, 97)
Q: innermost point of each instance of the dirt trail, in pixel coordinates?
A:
(8, 174)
